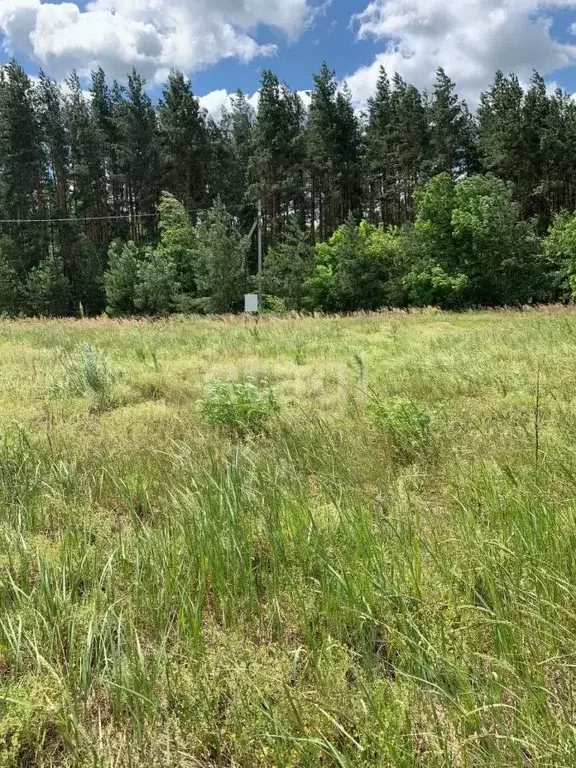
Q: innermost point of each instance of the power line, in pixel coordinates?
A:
(77, 219)
(80, 219)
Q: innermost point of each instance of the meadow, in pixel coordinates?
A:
(304, 542)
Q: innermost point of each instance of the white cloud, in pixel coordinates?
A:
(306, 97)
(152, 35)
(215, 101)
(469, 38)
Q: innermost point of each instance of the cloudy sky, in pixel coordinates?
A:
(224, 44)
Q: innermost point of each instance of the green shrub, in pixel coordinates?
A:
(405, 425)
(429, 285)
(88, 373)
(237, 407)
(275, 305)
(156, 285)
(470, 246)
(355, 269)
(190, 305)
(560, 254)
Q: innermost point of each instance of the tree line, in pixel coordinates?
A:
(109, 201)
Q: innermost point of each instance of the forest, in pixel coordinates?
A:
(112, 202)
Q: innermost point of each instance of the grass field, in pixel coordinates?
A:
(382, 574)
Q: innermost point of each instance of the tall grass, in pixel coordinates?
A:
(86, 372)
(356, 585)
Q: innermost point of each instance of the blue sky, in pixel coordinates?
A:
(224, 44)
(328, 38)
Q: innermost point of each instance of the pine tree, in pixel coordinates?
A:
(232, 146)
(241, 128)
(178, 241)
(289, 265)
(334, 154)
(278, 151)
(220, 178)
(183, 142)
(121, 278)
(102, 162)
(321, 157)
(348, 157)
(88, 199)
(451, 129)
(535, 111)
(22, 163)
(138, 154)
(52, 123)
(500, 123)
(409, 139)
(104, 112)
(221, 260)
(55, 135)
(378, 150)
(558, 149)
(47, 289)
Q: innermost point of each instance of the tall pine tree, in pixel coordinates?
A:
(451, 129)
(139, 159)
(22, 164)
(378, 149)
(276, 169)
(183, 142)
(409, 140)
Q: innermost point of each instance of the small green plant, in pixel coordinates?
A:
(405, 424)
(88, 373)
(240, 408)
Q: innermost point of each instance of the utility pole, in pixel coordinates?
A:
(253, 301)
(259, 255)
